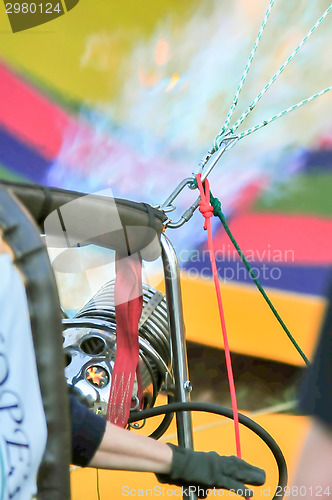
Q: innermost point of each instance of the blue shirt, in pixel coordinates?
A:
(87, 431)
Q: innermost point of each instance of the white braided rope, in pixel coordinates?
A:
(246, 69)
(219, 138)
(282, 113)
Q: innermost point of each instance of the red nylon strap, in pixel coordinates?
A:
(128, 309)
(207, 210)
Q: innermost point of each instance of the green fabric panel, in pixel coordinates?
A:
(305, 194)
(8, 175)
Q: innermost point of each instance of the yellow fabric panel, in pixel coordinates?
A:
(288, 431)
(82, 53)
(251, 326)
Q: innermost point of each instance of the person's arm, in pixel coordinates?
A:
(124, 450)
(98, 443)
(121, 449)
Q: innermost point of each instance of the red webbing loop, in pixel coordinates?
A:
(128, 308)
(206, 209)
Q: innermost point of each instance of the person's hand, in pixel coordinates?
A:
(210, 470)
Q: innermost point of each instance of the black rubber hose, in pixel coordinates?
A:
(31, 259)
(225, 412)
(166, 422)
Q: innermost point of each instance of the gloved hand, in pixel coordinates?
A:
(210, 470)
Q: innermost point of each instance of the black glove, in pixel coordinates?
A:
(210, 470)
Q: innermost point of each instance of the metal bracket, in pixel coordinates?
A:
(205, 168)
(228, 141)
(167, 206)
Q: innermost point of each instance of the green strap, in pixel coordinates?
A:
(218, 213)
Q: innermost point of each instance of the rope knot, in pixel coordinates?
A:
(205, 206)
(216, 205)
(206, 210)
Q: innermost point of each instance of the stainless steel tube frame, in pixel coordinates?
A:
(179, 351)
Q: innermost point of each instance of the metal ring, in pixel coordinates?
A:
(134, 408)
